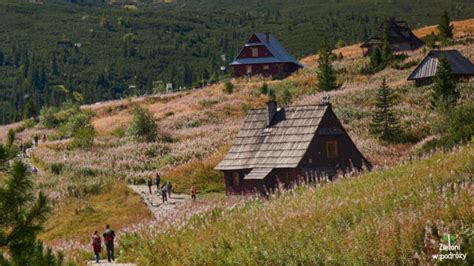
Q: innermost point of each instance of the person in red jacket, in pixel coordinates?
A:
(96, 245)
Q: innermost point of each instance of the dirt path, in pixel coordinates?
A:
(155, 202)
(106, 263)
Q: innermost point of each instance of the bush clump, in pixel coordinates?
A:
(144, 126)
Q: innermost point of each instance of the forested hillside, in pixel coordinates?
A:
(89, 51)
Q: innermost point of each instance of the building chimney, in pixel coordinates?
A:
(325, 100)
(271, 111)
(267, 37)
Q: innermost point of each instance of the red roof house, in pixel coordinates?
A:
(264, 55)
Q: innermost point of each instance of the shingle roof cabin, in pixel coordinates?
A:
(461, 67)
(400, 37)
(288, 145)
(264, 55)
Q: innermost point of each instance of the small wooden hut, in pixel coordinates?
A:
(462, 68)
(399, 35)
(288, 145)
(264, 55)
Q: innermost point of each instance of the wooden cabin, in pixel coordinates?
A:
(400, 37)
(289, 145)
(462, 68)
(264, 55)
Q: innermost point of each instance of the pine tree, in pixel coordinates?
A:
(228, 87)
(326, 75)
(386, 50)
(3, 155)
(30, 109)
(385, 123)
(444, 92)
(23, 215)
(445, 28)
(10, 138)
(376, 58)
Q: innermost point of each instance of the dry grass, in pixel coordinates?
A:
(392, 216)
(76, 219)
(462, 29)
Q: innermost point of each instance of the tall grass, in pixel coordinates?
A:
(380, 218)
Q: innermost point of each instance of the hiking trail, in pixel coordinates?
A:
(154, 201)
(106, 263)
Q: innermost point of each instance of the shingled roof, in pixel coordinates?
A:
(459, 64)
(398, 32)
(280, 54)
(280, 145)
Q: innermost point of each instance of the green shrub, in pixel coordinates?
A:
(83, 137)
(206, 103)
(10, 137)
(74, 123)
(29, 123)
(87, 172)
(48, 117)
(228, 87)
(403, 66)
(3, 155)
(119, 132)
(455, 127)
(20, 128)
(144, 126)
(244, 107)
(264, 89)
(56, 168)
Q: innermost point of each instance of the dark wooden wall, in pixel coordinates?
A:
(262, 52)
(274, 70)
(349, 157)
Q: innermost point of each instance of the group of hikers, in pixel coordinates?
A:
(109, 237)
(24, 147)
(165, 190)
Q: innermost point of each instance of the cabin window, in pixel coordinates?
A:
(235, 179)
(249, 69)
(331, 149)
(266, 67)
(255, 52)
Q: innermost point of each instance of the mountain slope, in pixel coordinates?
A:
(108, 52)
(393, 216)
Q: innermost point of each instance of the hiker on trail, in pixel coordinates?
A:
(149, 182)
(168, 188)
(36, 138)
(44, 137)
(164, 190)
(65, 157)
(109, 236)
(96, 246)
(34, 170)
(22, 149)
(193, 192)
(157, 181)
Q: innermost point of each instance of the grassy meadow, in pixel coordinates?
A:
(390, 216)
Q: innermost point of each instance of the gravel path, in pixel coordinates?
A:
(155, 202)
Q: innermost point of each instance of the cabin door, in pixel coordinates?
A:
(248, 70)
